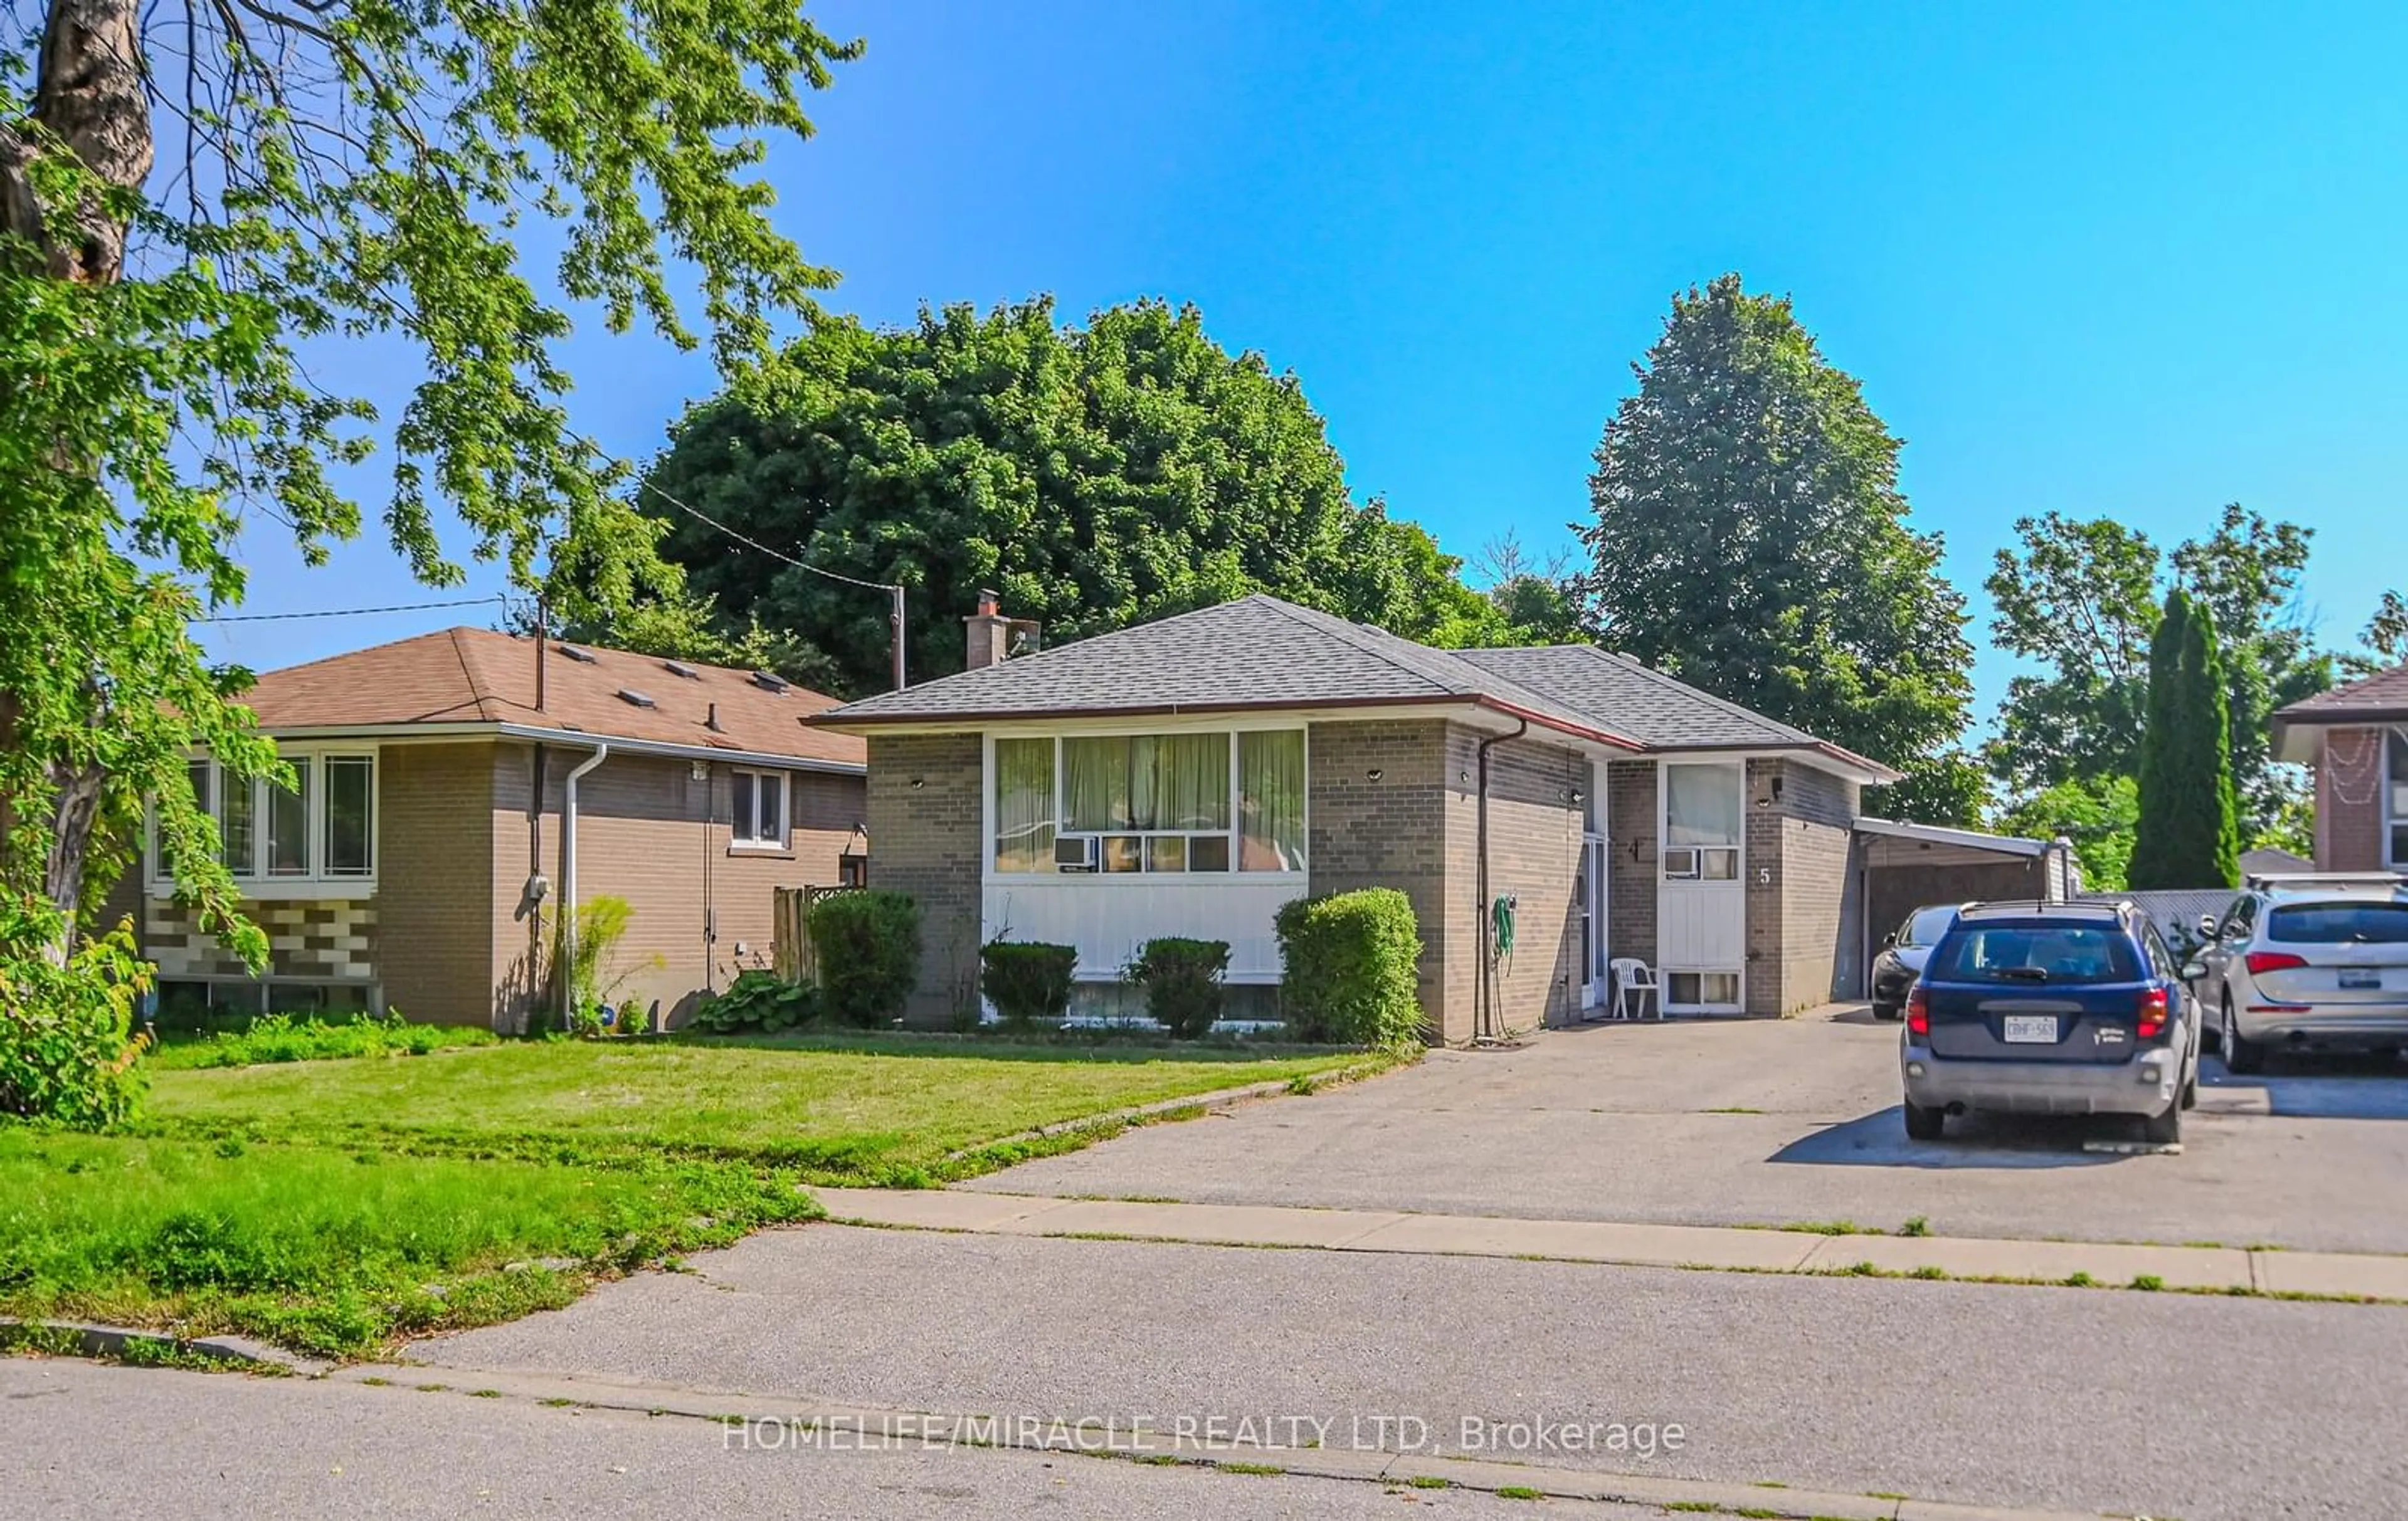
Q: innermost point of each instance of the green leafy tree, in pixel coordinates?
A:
(1097, 476)
(2386, 640)
(2187, 834)
(1750, 538)
(2098, 814)
(367, 171)
(1539, 599)
(2083, 599)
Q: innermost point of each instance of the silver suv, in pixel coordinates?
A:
(2307, 961)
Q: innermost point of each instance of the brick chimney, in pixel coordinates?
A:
(990, 632)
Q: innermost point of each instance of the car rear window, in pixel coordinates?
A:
(2037, 953)
(1926, 926)
(2340, 924)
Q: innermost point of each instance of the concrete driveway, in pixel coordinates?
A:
(1780, 1123)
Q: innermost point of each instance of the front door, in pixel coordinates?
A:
(1702, 904)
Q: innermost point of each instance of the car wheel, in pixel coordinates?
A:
(2164, 1129)
(2240, 1055)
(1884, 1010)
(1924, 1123)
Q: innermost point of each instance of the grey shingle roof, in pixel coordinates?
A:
(1646, 704)
(1260, 651)
(2382, 696)
(1257, 651)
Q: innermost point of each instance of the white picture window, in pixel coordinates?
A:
(320, 829)
(759, 816)
(1205, 801)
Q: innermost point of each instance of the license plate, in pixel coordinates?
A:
(2031, 1029)
(2356, 980)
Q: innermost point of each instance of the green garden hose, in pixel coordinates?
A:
(1500, 919)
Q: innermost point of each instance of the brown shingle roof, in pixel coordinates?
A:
(479, 676)
(2382, 697)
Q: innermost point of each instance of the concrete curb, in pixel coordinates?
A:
(2201, 1269)
(98, 1341)
(1269, 1088)
(758, 1416)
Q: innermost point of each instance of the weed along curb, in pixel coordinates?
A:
(753, 1422)
(1806, 1252)
(120, 1343)
(1005, 1149)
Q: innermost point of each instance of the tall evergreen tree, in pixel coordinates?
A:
(2189, 831)
(1750, 538)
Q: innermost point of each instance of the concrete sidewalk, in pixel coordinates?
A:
(2103, 1264)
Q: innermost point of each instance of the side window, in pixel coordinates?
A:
(2160, 959)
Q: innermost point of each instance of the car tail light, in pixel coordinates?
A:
(1918, 1010)
(2153, 1013)
(2262, 962)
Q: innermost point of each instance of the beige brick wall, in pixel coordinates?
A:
(2349, 800)
(926, 823)
(1392, 831)
(1631, 849)
(1534, 843)
(651, 832)
(434, 881)
(1416, 828)
(1821, 937)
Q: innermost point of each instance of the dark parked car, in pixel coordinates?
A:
(2050, 1009)
(1903, 952)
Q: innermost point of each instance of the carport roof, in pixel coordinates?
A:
(1972, 839)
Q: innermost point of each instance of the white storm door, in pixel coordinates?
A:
(1701, 902)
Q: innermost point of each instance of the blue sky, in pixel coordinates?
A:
(2133, 260)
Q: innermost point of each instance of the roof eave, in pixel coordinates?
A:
(548, 735)
(839, 721)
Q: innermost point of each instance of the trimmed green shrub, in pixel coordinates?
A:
(757, 1000)
(1351, 966)
(1026, 981)
(1182, 979)
(868, 949)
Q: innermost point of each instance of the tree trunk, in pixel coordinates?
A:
(88, 99)
(88, 95)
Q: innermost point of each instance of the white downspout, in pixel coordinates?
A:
(568, 874)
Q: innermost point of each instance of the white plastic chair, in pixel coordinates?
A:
(1633, 976)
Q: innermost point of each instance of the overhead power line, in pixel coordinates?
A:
(350, 612)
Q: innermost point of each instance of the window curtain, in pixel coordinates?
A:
(1179, 782)
(1170, 782)
(1701, 805)
(1024, 805)
(1270, 782)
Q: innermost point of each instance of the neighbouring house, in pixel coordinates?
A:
(2354, 739)
(457, 789)
(1189, 776)
(2272, 861)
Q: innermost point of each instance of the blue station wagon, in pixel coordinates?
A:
(2050, 1009)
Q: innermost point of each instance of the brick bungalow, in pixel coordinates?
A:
(457, 788)
(2354, 739)
(1189, 776)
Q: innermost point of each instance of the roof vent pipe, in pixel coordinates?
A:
(711, 723)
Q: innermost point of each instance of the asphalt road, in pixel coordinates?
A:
(2087, 1400)
(83, 1440)
(1772, 1122)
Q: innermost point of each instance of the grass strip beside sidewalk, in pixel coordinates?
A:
(337, 1207)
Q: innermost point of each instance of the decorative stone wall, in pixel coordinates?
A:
(328, 941)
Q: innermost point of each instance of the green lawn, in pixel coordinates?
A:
(336, 1206)
(888, 1109)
